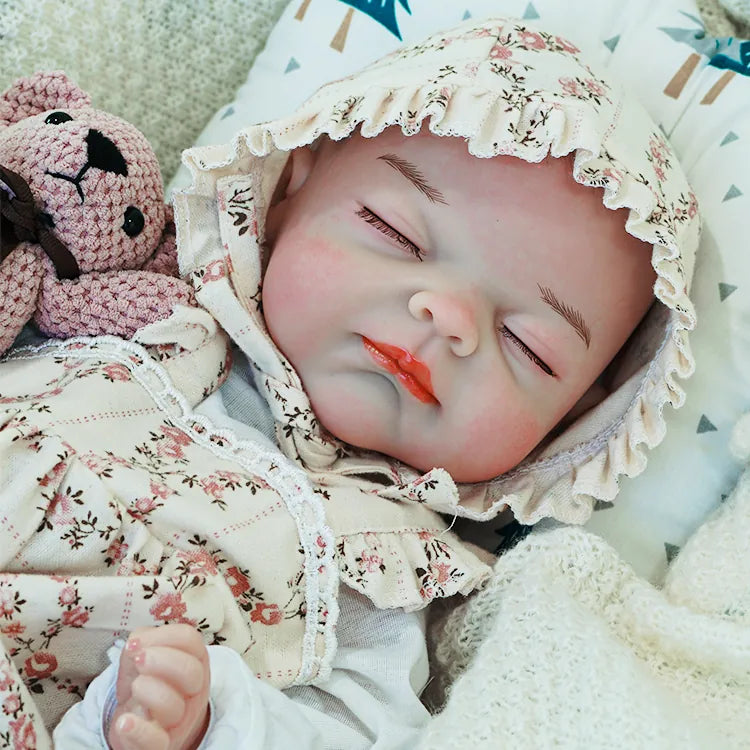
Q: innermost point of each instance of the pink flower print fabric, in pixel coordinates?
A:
(151, 516)
(122, 510)
(506, 87)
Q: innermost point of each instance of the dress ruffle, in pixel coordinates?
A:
(408, 569)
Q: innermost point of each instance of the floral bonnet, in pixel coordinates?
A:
(508, 88)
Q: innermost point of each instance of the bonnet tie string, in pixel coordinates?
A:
(17, 213)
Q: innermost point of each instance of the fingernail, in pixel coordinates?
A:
(141, 711)
(133, 644)
(125, 723)
(140, 658)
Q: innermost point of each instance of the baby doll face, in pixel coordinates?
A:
(443, 309)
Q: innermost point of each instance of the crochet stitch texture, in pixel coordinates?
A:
(84, 220)
(164, 65)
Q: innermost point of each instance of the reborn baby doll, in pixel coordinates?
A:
(434, 319)
(421, 336)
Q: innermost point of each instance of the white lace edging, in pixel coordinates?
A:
(289, 481)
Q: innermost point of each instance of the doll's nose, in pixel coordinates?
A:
(452, 317)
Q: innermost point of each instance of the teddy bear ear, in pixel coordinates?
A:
(38, 93)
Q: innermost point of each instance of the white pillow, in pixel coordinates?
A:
(657, 48)
(692, 471)
(302, 52)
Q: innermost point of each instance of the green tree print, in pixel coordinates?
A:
(382, 11)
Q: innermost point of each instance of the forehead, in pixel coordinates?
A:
(498, 186)
(502, 201)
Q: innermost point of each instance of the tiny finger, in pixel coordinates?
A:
(184, 672)
(164, 704)
(133, 706)
(175, 635)
(134, 733)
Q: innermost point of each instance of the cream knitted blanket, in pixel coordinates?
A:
(568, 648)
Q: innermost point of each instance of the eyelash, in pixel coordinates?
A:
(525, 349)
(374, 220)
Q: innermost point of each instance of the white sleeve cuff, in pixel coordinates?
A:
(245, 713)
(370, 699)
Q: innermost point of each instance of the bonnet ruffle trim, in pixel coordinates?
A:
(570, 498)
(480, 102)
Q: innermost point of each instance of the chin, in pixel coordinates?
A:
(460, 470)
(357, 433)
(364, 431)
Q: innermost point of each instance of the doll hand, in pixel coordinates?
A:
(162, 690)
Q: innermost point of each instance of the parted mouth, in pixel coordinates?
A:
(408, 370)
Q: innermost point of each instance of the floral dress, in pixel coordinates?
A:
(123, 507)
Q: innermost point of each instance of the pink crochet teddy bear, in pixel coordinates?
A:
(87, 243)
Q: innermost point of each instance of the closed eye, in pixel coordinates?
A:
(383, 226)
(538, 361)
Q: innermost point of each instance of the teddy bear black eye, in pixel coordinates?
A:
(57, 118)
(134, 221)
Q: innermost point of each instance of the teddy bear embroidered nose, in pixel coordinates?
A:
(103, 154)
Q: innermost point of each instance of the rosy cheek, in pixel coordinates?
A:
(285, 299)
(523, 437)
(305, 289)
(501, 435)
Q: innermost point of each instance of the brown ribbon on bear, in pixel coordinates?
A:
(19, 216)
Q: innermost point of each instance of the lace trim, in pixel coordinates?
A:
(292, 484)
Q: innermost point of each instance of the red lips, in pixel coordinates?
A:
(409, 371)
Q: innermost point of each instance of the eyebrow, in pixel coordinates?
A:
(569, 313)
(408, 170)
